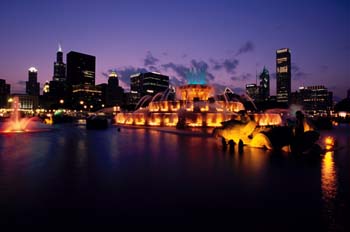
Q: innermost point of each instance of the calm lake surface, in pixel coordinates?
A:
(71, 175)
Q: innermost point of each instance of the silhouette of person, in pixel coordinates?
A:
(299, 126)
(224, 144)
(298, 133)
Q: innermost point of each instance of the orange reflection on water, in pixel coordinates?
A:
(329, 177)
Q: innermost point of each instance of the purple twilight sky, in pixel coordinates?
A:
(230, 40)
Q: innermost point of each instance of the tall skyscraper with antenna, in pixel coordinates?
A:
(59, 69)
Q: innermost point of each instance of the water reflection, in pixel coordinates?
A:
(170, 176)
(329, 178)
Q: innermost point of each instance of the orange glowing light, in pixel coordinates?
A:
(329, 177)
(268, 119)
(329, 141)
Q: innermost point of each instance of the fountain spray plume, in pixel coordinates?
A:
(16, 123)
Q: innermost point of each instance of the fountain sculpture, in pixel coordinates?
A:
(196, 106)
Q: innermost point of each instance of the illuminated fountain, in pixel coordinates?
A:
(16, 123)
(194, 106)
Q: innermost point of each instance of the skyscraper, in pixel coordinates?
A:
(57, 89)
(315, 98)
(80, 68)
(283, 75)
(59, 68)
(4, 93)
(264, 88)
(252, 91)
(81, 82)
(149, 83)
(32, 85)
(114, 91)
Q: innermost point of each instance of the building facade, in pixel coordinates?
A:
(264, 88)
(252, 91)
(80, 68)
(59, 68)
(4, 93)
(283, 75)
(82, 92)
(315, 99)
(114, 91)
(149, 83)
(32, 85)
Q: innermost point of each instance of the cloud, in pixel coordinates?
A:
(150, 60)
(153, 69)
(124, 74)
(247, 47)
(297, 73)
(242, 77)
(174, 81)
(182, 71)
(204, 67)
(229, 65)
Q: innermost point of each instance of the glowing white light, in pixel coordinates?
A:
(33, 69)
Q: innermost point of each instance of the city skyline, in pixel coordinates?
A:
(231, 42)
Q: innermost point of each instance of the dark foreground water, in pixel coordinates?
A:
(136, 177)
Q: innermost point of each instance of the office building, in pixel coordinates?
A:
(114, 91)
(283, 75)
(315, 98)
(4, 93)
(32, 85)
(149, 83)
(264, 88)
(86, 97)
(81, 89)
(59, 68)
(252, 91)
(80, 69)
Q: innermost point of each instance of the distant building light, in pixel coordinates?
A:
(135, 75)
(282, 50)
(32, 69)
(250, 85)
(342, 114)
(113, 74)
(149, 91)
(133, 91)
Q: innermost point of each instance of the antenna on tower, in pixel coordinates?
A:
(59, 47)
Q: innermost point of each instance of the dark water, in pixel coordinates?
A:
(136, 176)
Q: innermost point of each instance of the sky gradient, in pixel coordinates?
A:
(230, 40)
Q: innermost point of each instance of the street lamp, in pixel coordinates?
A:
(61, 101)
